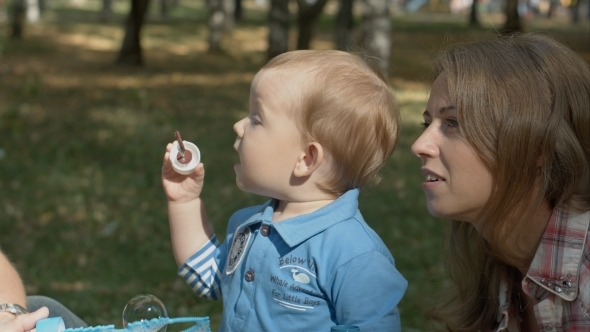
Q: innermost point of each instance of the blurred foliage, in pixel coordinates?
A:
(82, 212)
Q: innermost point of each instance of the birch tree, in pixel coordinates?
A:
(33, 13)
(376, 31)
(221, 20)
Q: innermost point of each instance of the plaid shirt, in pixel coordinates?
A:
(558, 278)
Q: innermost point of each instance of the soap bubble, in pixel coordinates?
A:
(144, 307)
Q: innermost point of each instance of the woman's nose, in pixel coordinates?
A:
(426, 145)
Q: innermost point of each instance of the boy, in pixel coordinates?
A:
(320, 126)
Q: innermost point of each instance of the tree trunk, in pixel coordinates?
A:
(473, 19)
(107, 10)
(221, 14)
(553, 5)
(238, 11)
(575, 9)
(343, 36)
(33, 10)
(229, 8)
(19, 9)
(512, 24)
(306, 20)
(42, 7)
(130, 53)
(376, 32)
(278, 28)
(163, 8)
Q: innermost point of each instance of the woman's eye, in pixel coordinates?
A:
(452, 123)
(424, 124)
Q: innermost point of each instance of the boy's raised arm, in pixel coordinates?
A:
(189, 226)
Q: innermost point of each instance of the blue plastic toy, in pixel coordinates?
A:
(56, 324)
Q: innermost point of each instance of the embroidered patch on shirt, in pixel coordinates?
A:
(238, 247)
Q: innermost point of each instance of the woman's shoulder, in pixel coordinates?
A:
(584, 273)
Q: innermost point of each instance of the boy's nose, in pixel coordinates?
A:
(239, 127)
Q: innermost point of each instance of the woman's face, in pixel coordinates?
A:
(457, 184)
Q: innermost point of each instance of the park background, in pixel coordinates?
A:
(82, 212)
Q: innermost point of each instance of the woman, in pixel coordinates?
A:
(13, 316)
(24, 322)
(506, 156)
(12, 291)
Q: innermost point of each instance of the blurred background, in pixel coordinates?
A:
(91, 91)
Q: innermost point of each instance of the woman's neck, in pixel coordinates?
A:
(518, 245)
(522, 244)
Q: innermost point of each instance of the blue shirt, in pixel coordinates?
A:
(306, 273)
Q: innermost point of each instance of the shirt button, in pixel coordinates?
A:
(249, 276)
(265, 230)
(549, 328)
(532, 285)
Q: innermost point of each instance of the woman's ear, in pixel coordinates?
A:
(309, 160)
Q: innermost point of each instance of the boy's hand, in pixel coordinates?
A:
(181, 188)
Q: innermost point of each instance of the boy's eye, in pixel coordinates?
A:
(254, 120)
(424, 124)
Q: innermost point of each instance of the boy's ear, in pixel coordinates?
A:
(309, 160)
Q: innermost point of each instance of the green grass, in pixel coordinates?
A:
(82, 212)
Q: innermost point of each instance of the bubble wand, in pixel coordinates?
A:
(184, 156)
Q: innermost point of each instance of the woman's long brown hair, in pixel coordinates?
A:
(524, 106)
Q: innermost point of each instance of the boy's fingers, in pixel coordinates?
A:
(200, 169)
(167, 154)
(166, 158)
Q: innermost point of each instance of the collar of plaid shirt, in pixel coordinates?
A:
(558, 267)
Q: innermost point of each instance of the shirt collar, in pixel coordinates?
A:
(556, 264)
(300, 228)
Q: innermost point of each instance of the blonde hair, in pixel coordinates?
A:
(346, 106)
(524, 105)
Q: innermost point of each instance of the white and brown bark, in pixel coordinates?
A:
(376, 32)
(221, 20)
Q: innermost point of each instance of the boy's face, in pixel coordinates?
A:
(268, 141)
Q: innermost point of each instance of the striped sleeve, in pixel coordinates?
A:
(201, 271)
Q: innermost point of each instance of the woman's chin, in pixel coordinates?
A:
(438, 211)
